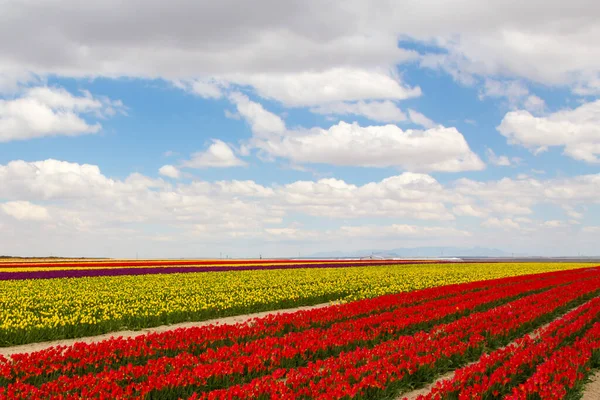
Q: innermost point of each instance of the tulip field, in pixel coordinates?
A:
(507, 330)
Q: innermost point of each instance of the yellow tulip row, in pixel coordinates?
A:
(47, 309)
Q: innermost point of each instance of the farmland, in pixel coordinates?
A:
(514, 330)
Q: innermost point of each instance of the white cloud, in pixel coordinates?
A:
(232, 115)
(591, 229)
(420, 119)
(293, 234)
(208, 88)
(498, 197)
(469, 210)
(503, 161)
(48, 111)
(93, 214)
(534, 104)
(571, 212)
(436, 149)
(261, 121)
(279, 45)
(25, 211)
(528, 47)
(524, 220)
(401, 231)
(510, 208)
(554, 224)
(383, 111)
(50, 179)
(331, 85)
(505, 223)
(169, 171)
(409, 195)
(514, 91)
(577, 130)
(218, 155)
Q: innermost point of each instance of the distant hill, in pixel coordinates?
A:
(418, 252)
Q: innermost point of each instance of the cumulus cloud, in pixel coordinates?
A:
(469, 210)
(436, 149)
(77, 204)
(572, 212)
(502, 161)
(208, 88)
(218, 155)
(401, 231)
(591, 229)
(280, 47)
(49, 111)
(497, 197)
(420, 119)
(528, 47)
(577, 130)
(514, 91)
(409, 195)
(262, 122)
(332, 85)
(169, 171)
(534, 104)
(554, 224)
(505, 223)
(25, 211)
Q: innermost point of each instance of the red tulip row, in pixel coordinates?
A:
(395, 364)
(113, 353)
(496, 373)
(564, 371)
(349, 350)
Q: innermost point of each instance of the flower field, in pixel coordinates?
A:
(33, 310)
(93, 269)
(518, 336)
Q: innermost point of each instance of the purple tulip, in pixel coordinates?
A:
(116, 271)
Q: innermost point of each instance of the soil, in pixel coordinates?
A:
(592, 388)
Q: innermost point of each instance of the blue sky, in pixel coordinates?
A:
(298, 128)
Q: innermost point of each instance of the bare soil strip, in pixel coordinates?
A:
(591, 391)
(31, 347)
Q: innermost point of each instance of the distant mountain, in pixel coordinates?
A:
(423, 252)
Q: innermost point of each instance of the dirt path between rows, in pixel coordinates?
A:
(31, 347)
(591, 391)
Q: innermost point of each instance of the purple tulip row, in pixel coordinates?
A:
(80, 273)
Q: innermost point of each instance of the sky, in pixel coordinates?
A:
(284, 128)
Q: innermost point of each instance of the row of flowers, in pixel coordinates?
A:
(46, 309)
(564, 372)
(381, 345)
(222, 262)
(80, 272)
(495, 374)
